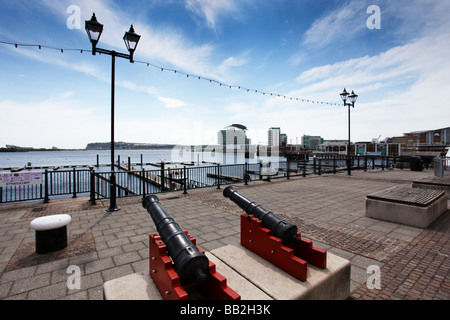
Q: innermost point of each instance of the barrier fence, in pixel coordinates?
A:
(139, 182)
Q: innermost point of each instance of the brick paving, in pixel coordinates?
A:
(328, 209)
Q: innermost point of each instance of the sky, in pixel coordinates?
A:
(293, 56)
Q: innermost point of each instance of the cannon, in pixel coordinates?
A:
(275, 239)
(279, 227)
(190, 264)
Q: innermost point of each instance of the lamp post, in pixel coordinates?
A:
(352, 97)
(94, 30)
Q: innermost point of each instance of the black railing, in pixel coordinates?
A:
(63, 183)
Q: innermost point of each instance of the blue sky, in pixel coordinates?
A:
(305, 49)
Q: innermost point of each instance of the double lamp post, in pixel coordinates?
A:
(94, 30)
(352, 97)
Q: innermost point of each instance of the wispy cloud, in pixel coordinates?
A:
(171, 103)
(404, 88)
(210, 10)
(164, 45)
(339, 24)
(50, 127)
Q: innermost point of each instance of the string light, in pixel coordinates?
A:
(188, 75)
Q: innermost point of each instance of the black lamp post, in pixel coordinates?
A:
(352, 97)
(94, 30)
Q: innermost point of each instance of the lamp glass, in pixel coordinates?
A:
(353, 97)
(344, 95)
(94, 29)
(131, 39)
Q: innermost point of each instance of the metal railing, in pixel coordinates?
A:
(63, 183)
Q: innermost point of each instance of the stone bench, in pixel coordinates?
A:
(51, 232)
(410, 206)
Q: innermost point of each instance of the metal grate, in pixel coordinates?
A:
(411, 196)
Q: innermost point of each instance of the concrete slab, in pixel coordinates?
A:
(409, 206)
(246, 289)
(140, 286)
(136, 286)
(332, 283)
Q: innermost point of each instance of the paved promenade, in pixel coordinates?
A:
(328, 209)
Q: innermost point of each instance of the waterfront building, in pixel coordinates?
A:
(274, 137)
(311, 142)
(233, 139)
(283, 140)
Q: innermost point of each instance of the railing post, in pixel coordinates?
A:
(46, 199)
(320, 166)
(143, 182)
(185, 180)
(260, 169)
(304, 168)
(287, 164)
(314, 165)
(74, 183)
(163, 178)
(92, 191)
(218, 176)
(246, 176)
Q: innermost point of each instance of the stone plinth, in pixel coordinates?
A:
(252, 277)
(410, 206)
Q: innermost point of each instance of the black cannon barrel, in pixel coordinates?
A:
(279, 227)
(190, 264)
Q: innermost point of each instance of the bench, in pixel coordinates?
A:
(51, 232)
(410, 206)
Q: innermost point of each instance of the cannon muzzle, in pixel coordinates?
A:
(190, 264)
(279, 227)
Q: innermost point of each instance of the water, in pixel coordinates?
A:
(89, 157)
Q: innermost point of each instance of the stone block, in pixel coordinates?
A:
(251, 276)
(410, 206)
(332, 283)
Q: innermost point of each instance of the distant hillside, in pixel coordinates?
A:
(127, 146)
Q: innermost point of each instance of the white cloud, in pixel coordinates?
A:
(164, 44)
(403, 89)
(339, 24)
(211, 9)
(172, 103)
(135, 87)
(55, 120)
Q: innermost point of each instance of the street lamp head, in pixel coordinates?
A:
(344, 95)
(94, 30)
(353, 98)
(131, 40)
